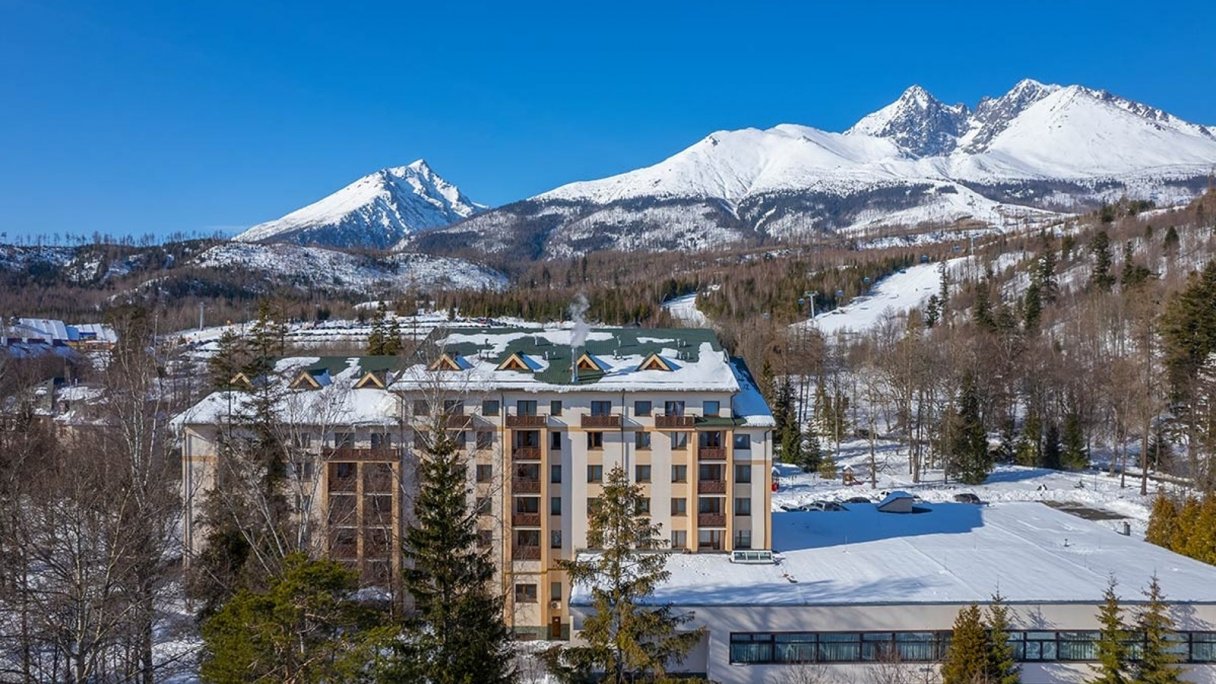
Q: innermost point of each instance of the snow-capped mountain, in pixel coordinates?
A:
(377, 211)
(1035, 150)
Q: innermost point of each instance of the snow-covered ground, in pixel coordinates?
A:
(684, 309)
(896, 294)
(1090, 489)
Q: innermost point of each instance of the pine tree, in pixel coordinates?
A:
(1170, 243)
(375, 337)
(1100, 278)
(303, 627)
(1032, 306)
(625, 637)
(933, 311)
(1002, 666)
(392, 338)
(969, 458)
(456, 633)
(827, 467)
(812, 451)
(1112, 665)
(791, 444)
(1052, 457)
(1157, 664)
(967, 657)
(1075, 454)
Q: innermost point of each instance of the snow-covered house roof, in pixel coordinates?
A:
(950, 554)
(896, 502)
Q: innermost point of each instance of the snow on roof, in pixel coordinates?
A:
(47, 328)
(951, 554)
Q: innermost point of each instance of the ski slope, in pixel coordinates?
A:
(895, 295)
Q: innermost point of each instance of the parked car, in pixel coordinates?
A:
(967, 498)
(831, 506)
(858, 500)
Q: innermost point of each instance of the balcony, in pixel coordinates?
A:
(711, 520)
(526, 553)
(525, 421)
(350, 453)
(711, 454)
(666, 421)
(527, 453)
(601, 422)
(524, 486)
(525, 519)
(711, 486)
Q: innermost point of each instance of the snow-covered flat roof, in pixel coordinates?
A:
(952, 554)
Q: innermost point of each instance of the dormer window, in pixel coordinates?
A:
(588, 363)
(448, 362)
(308, 380)
(516, 362)
(654, 362)
(373, 380)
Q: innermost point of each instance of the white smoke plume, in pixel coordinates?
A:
(577, 309)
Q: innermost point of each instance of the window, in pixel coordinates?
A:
(743, 442)
(555, 474)
(679, 441)
(485, 439)
(342, 471)
(302, 441)
(641, 408)
(709, 504)
(344, 440)
(743, 539)
(555, 591)
(421, 408)
(555, 539)
(525, 593)
(419, 439)
(525, 407)
(555, 505)
(641, 473)
(643, 505)
(743, 473)
(743, 506)
(595, 440)
(679, 506)
(710, 440)
(485, 538)
(489, 407)
(641, 440)
(555, 441)
(710, 471)
(453, 407)
(711, 409)
(595, 473)
(673, 408)
(481, 505)
(485, 472)
(302, 470)
(382, 440)
(709, 539)
(601, 408)
(555, 407)
(679, 473)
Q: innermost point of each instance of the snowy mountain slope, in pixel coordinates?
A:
(316, 268)
(377, 211)
(1050, 147)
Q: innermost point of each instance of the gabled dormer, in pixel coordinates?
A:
(516, 362)
(373, 380)
(241, 381)
(448, 362)
(588, 364)
(311, 379)
(654, 362)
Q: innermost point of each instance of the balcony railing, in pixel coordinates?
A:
(525, 486)
(526, 552)
(711, 520)
(663, 420)
(711, 486)
(711, 454)
(525, 453)
(525, 421)
(525, 519)
(609, 421)
(350, 453)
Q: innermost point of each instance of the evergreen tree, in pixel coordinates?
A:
(1075, 454)
(625, 638)
(304, 627)
(1002, 666)
(1184, 524)
(1170, 243)
(1100, 278)
(982, 310)
(827, 467)
(456, 632)
(1032, 307)
(791, 444)
(1112, 665)
(1157, 664)
(1052, 457)
(969, 458)
(1133, 274)
(1048, 287)
(812, 451)
(375, 337)
(967, 658)
(392, 338)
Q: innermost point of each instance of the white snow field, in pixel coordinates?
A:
(895, 294)
(684, 309)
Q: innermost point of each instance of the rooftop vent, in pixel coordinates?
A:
(752, 557)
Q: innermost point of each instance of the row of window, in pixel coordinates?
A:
(484, 472)
(679, 505)
(485, 440)
(528, 407)
(927, 647)
(707, 540)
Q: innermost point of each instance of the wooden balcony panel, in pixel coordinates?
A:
(523, 486)
(711, 486)
(525, 454)
(525, 519)
(711, 454)
(601, 422)
(525, 421)
(666, 421)
(526, 553)
(711, 520)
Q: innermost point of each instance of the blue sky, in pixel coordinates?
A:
(152, 117)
